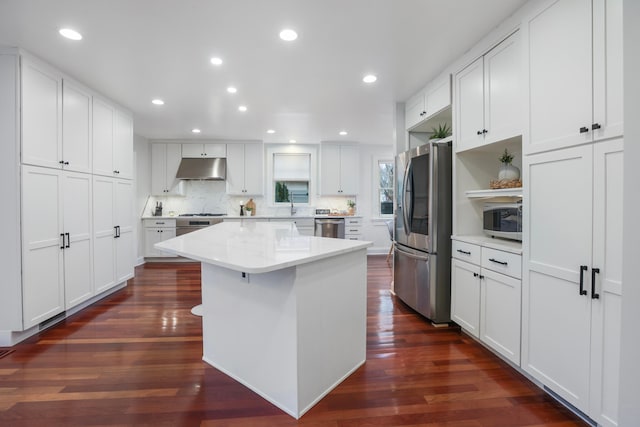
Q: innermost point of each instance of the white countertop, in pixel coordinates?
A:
(254, 217)
(256, 247)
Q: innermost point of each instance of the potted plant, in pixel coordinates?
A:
(442, 131)
(352, 206)
(507, 170)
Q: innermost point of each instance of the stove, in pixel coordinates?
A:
(186, 223)
(203, 214)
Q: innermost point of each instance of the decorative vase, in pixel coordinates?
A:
(508, 172)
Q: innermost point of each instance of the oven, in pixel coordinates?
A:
(188, 223)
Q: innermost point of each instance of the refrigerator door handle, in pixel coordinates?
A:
(407, 204)
(411, 255)
(433, 195)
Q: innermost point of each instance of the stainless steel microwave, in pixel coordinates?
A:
(503, 220)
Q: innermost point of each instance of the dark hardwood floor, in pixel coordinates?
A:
(135, 359)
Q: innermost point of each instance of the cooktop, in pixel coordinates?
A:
(203, 214)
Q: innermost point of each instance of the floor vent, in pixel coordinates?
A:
(50, 322)
(4, 353)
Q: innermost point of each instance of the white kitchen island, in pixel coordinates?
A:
(284, 314)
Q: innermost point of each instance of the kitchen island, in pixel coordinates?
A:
(284, 314)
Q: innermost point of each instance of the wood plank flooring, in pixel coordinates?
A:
(134, 359)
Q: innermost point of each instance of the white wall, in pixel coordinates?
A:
(142, 183)
(629, 414)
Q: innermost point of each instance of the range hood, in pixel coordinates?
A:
(207, 168)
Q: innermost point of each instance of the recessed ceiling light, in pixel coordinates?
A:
(271, 131)
(292, 141)
(196, 130)
(343, 132)
(216, 61)
(157, 102)
(242, 108)
(70, 34)
(288, 35)
(369, 78)
(232, 89)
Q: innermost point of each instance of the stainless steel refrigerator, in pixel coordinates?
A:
(422, 248)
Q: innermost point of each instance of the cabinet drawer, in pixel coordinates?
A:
(503, 262)
(352, 222)
(159, 223)
(350, 229)
(465, 251)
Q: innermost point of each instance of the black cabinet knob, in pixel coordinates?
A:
(595, 126)
(479, 132)
(584, 129)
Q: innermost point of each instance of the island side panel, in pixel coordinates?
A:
(332, 323)
(249, 331)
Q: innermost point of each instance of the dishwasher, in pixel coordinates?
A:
(330, 227)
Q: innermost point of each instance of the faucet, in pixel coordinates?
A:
(293, 209)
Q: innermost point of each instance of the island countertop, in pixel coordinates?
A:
(256, 247)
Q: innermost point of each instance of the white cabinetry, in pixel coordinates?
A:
(156, 231)
(488, 99)
(245, 169)
(428, 102)
(574, 73)
(486, 295)
(339, 170)
(305, 226)
(353, 228)
(76, 127)
(165, 160)
(572, 275)
(113, 231)
(204, 150)
(112, 140)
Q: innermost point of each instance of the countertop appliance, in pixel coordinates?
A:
(422, 225)
(503, 220)
(329, 227)
(186, 223)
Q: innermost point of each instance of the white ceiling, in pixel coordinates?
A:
(307, 90)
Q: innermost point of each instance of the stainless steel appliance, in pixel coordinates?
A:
(214, 169)
(329, 227)
(422, 225)
(186, 223)
(503, 220)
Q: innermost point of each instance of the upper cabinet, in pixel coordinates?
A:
(488, 97)
(112, 140)
(431, 100)
(339, 170)
(41, 114)
(204, 150)
(245, 164)
(165, 160)
(574, 73)
(76, 127)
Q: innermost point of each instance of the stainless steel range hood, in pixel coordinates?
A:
(208, 168)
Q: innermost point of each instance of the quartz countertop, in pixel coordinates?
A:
(294, 217)
(256, 247)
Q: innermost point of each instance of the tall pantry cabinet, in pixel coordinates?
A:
(573, 146)
(49, 138)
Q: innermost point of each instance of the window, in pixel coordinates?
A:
(291, 172)
(385, 187)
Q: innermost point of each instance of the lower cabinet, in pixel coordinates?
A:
(57, 249)
(156, 231)
(486, 296)
(352, 228)
(305, 226)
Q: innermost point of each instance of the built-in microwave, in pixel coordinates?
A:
(503, 220)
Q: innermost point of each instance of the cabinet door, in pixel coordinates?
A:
(607, 68)
(329, 174)
(103, 233)
(42, 252)
(192, 151)
(235, 169)
(559, 68)
(157, 235)
(502, 101)
(465, 296)
(215, 150)
(76, 127)
(500, 314)
(123, 145)
(41, 115)
(470, 106)
(349, 162)
(253, 169)
(414, 111)
(124, 221)
(78, 252)
(103, 122)
(174, 156)
(557, 241)
(159, 169)
(607, 256)
(438, 97)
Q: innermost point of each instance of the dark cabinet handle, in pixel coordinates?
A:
(479, 132)
(118, 227)
(485, 131)
(464, 252)
(584, 129)
(66, 163)
(583, 268)
(595, 126)
(594, 271)
(498, 262)
(62, 236)
(481, 277)
(475, 274)
(68, 245)
(61, 162)
(115, 229)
